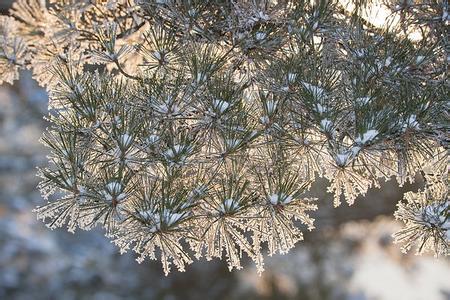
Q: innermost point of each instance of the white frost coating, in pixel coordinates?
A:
(326, 125)
(125, 140)
(291, 77)
(114, 187)
(434, 216)
(271, 106)
(232, 143)
(201, 77)
(316, 91)
(157, 55)
(228, 205)
(280, 199)
(355, 150)
(264, 120)
(112, 191)
(411, 122)
(153, 139)
(168, 218)
(363, 100)
(420, 59)
(388, 61)
(342, 159)
(320, 109)
(360, 53)
(220, 105)
(170, 153)
(260, 36)
(171, 218)
(367, 136)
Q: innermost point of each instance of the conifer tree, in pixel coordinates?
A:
(194, 128)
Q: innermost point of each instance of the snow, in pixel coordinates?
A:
(220, 105)
(153, 139)
(280, 198)
(172, 152)
(157, 55)
(360, 53)
(232, 143)
(171, 218)
(291, 77)
(363, 100)
(317, 92)
(342, 158)
(411, 122)
(125, 140)
(326, 125)
(228, 205)
(264, 120)
(445, 15)
(114, 187)
(168, 218)
(367, 136)
(320, 109)
(420, 59)
(271, 106)
(434, 215)
(146, 214)
(388, 61)
(201, 77)
(260, 36)
(355, 150)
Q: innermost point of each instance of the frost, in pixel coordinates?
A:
(157, 138)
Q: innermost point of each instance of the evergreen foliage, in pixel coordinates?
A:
(199, 125)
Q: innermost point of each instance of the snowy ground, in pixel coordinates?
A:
(348, 258)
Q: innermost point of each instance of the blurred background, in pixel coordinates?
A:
(349, 256)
